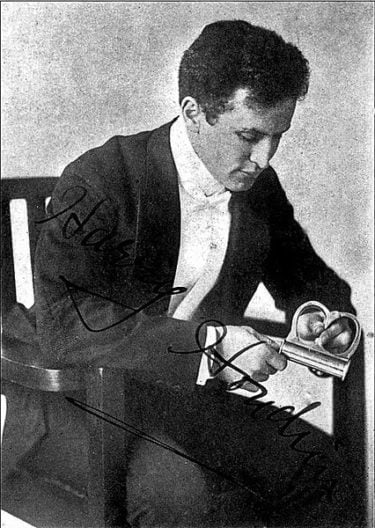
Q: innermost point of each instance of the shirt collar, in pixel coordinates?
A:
(193, 175)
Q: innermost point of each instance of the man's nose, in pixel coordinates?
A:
(262, 153)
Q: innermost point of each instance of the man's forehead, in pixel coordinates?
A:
(245, 116)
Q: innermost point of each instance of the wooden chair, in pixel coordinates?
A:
(99, 388)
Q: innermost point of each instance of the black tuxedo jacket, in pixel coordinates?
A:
(109, 247)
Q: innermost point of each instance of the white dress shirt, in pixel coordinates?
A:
(205, 222)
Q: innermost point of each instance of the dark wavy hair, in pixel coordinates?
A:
(232, 54)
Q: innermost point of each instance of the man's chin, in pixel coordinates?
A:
(241, 181)
(240, 186)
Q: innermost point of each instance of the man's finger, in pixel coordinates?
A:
(260, 376)
(337, 332)
(247, 385)
(271, 344)
(310, 325)
(270, 369)
(315, 323)
(277, 361)
(339, 343)
(242, 384)
(330, 333)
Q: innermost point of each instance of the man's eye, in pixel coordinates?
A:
(247, 138)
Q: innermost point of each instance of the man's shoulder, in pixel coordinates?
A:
(116, 164)
(116, 152)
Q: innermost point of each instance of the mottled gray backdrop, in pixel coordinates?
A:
(73, 74)
(76, 73)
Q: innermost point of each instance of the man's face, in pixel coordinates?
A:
(243, 140)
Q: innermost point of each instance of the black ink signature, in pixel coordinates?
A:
(97, 239)
(159, 290)
(244, 483)
(212, 352)
(222, 363)
(145, 436)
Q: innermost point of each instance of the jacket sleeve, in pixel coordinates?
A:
(89, 300)
(294, 273)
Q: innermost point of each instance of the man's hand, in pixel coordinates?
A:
(332, 332)
(257, 360)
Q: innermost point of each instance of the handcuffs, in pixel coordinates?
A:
(310, 354)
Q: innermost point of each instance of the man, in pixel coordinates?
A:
(152, 249)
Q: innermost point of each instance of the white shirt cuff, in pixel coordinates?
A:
(206, 364)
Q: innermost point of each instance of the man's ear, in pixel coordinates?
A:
(192, 114)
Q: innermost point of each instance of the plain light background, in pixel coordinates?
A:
(74, 74)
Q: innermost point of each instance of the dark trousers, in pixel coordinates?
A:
(224, 460)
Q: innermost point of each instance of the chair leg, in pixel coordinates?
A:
(108, 445)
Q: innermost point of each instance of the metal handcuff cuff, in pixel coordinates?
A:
(319, 360)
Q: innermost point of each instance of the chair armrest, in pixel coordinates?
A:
(22, 363)
(44, 379)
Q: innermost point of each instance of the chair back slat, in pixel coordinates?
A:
(34, 191)
(8, 285)
(35, 211)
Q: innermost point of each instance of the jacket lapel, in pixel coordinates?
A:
(158, 226)
(158, 236)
